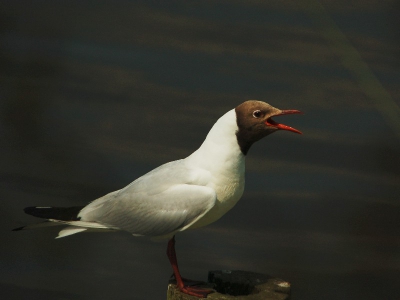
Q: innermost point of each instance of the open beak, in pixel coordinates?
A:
(272, 123)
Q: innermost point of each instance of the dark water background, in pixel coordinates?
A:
(95, 93)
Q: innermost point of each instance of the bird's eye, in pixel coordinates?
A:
(257, 113)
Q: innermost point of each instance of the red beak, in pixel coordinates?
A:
(272, 123)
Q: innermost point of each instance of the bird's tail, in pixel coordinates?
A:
(37, 225)
(55, 213)
(61, 216)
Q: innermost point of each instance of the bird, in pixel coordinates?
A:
(179, 195)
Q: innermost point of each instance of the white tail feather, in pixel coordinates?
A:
(70, 230)
(93, 225)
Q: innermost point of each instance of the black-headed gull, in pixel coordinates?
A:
(182, 194)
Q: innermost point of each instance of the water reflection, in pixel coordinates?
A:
(93, 97)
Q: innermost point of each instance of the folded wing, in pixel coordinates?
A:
(162, 202)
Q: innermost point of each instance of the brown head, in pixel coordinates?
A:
(254, 120)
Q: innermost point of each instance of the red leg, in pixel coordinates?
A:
(190, 290)
(187, 281)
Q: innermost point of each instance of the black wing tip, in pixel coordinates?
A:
(57, 213)
(38, 211)
(18, 229)
(30, 210)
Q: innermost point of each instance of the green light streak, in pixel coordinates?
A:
(352, 60)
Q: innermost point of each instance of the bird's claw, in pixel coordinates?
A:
(186, 281)
(195, 291)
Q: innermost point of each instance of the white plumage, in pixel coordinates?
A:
(182, 194)
(190, 192)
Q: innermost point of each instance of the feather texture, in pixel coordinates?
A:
(161, 202)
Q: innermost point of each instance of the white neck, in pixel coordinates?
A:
(221, 156)
(220, 151)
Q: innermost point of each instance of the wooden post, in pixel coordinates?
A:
(238, 285)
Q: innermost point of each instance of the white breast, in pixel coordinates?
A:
(221, 156)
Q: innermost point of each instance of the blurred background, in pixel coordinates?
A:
(96, 93)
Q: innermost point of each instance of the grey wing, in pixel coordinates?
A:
(172, 210)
